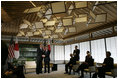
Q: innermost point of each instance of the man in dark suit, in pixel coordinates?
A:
(46, 56)
(76, 53)
(39, 59)
(89, 61)
(107, 65)
(70, 64)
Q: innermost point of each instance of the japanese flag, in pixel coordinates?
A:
(16, 49)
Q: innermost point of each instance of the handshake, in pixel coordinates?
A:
(43, 56)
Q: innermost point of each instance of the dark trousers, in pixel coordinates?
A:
(38, 67)
(19, 72)
(67, 66)
(82, 67)
(48, 64)
(102, 70)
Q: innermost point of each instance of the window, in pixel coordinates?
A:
(111, 44)
(59, 52)
(67, 52)
(52, 53)
(84, 46)
(98, 50)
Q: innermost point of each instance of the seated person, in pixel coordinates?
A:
(88, 62)
(107, 65)
(70, 64)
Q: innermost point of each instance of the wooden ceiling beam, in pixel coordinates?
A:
(112, 9)
(90, 39)
(5, 17)
(108, 11)
(93, 29)
(109, 15)
(29, 42)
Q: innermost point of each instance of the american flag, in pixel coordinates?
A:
(11, 49)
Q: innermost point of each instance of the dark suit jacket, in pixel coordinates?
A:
(77, 52)
(109, 63)
(89, 60)
(39, 54)
(47, 55)
(72, 61)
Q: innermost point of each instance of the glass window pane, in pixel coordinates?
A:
(52, 53)
(111, 44)
(98, 50)
(67, 52)
(84, 46)
(59, 52)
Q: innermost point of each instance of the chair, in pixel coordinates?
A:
(75, 67)
(113, 72)
(29, 65)
(91, 69)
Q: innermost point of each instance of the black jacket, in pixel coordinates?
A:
(39, 54)
(47, 55)
(77, 52)
(109, 63)
(72, 61)
(89, 61)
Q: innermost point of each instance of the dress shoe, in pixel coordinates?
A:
(40, 72)
(65, 73)
(81, 76)
(69, 73)
(76, 71)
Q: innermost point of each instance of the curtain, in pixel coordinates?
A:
(84, 46)
(52, 53)
(111, 44)
(67, 52)
(98, 50)
(59, 52)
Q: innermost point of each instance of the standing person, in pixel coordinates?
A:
(107, 65)
(76, 53)
(46, 59)
(39, 59)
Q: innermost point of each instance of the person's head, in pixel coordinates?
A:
(41, 46)
(76, 47)
(108, 54)
(46, 47)
(87, 52)
(71, 55)
(4, 53)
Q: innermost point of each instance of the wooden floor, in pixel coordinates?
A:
(55, 74)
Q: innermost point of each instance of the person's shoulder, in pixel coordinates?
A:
(78, 49)
(111, 58)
